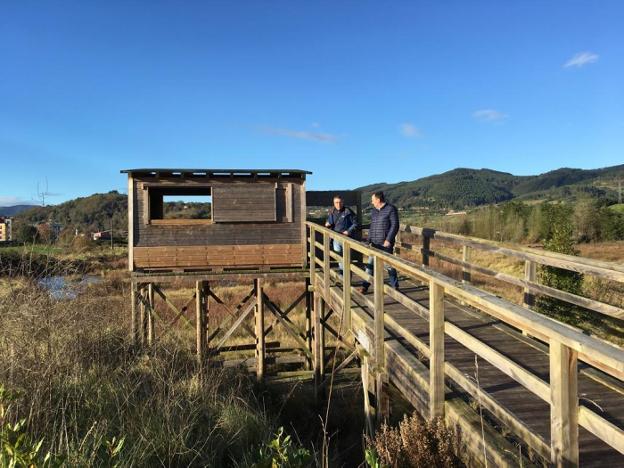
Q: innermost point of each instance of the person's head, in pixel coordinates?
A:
(378, 199)
(338, 203)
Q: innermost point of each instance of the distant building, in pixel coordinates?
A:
(101, 235)
(6, 234)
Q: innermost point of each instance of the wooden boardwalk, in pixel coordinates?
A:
(531, 354)
(480, 358)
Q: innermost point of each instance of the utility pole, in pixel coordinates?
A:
(620, 191)
(111, 236)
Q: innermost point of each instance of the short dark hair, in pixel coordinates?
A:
(337, 196)
(379, 196)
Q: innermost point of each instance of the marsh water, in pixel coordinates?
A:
(65, 287)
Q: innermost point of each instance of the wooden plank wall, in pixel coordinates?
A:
(278, 242)
(146, 235)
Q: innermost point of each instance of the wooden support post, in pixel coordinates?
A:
(564, 407)
(323, 317)
(346, 287)
(436, 346)
(326, 266)
(142, 317)
(200, 315)
(530, 273)
(318, 344)
(379, 355)
(466, 258)
(308, 323)
(369, 411)
(312, 257)
(207, 295)
(150, 314)
(134, 321)
(259, 319)
(426, 244)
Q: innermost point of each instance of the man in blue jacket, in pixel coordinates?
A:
(343, 220)
(382, 234)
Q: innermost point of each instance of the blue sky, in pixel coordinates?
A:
(357, 92)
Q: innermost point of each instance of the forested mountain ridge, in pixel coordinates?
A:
(455, 189)
(464, 187)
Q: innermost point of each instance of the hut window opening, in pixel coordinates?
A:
(180, 205)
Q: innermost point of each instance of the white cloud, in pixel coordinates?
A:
(409, 130)
(489, 115)
(581, 59)
(301, 134)
(9, 200)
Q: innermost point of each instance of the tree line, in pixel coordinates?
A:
(589, 220)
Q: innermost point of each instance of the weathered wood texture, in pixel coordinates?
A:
(239, 232)
(217, 256)
(260, 220)
(532, 258)
(563, 412)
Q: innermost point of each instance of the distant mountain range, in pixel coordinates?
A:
(456, 189)
(13, 210)
(464, 188)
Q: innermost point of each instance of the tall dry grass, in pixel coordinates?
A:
(81, 384)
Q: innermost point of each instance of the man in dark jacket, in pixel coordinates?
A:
(343, 220)
(381, 235)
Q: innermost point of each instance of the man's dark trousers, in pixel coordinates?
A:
(392, 273)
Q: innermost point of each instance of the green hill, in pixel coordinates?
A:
(463, 188)
(97, 211)
(87, 214)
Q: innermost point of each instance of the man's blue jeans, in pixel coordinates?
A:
(337, 247)
(392, 273)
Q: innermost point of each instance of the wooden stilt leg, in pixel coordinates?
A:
(134, 322)
(259, 316)
(323, 313)
(142, 317)
(318, 356)
(308, 323)
(369, 411)
(150, 314)
(206, 314)
(200, 327)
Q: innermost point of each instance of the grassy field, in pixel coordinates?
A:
(591, 322)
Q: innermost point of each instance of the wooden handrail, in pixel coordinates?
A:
(601, 268)
(533, 322)
(531, 257)
(566, 344)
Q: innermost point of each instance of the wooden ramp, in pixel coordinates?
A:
(451, 350)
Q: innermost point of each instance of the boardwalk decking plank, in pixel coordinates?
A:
(525, 405)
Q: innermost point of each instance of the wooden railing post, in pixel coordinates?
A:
(379, 355)
(346, 286)
(398, 244)
(259, 320)
(563, 405)
(319, 358)
(530, 273)
(436, 346)
(326, 265)
(426, 244)
(312, 257)
(466, 258)
(308, 323)
(200, 324)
